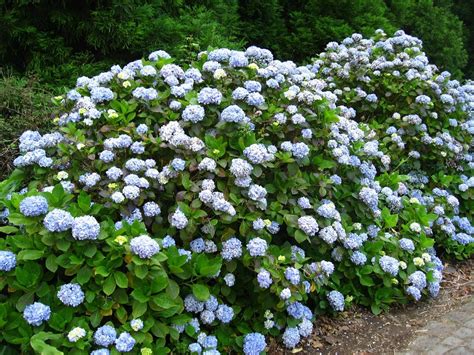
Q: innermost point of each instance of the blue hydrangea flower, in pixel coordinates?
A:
(414, 292)
(300, 150)
(195, 348)
(124, 343)
(85, 227)
(168, 241)
(418, 279)
(358, 258)
(207, 317)
(146, 94)
(238, 60)
(197, 245)
(105, 336)
(407, 244)
(71, 294)
(191, 304)
(34, 206)
(252, 86)
(179, 219)
(291, 337)
(193, 113)
(151, 209)
(308, 225)
(264, 279)
(336, 300)
(229, 279)
(208, 96)
(36, 313)
(389, 265)
(212, 304)
(336, 180)
(7, 260)
(178, 164)
(224, 313)
(107, 156)
(293, 275)
(254, 344)
(209, 342)
(255, 99)
(257, 247)
(138, 148)
(233, 113)
(101, 352)
(155, 56)
(58, 221)
(142, 129)
(144, 246)
(239, 94)
(231, 249)
(100, 94)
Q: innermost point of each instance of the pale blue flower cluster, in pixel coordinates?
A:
(58, 220)
(71, 294)
(254, 344)
(124, 342)
(7, 260)
(85, 228)
(336, 300)
(37, 313)
(264, 279)
(34, 206)
(146, 94)
(389, 265)
(257, 247)
(105, 335)
(193, 113)
(144, 246)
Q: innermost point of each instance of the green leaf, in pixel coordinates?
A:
(28, 274)
(51, 264)
(375, 309)
(38, 343)
(366, 280)
(201, 292)
(390, 220)
(109, 286)
(140, 296)
(84, 202)
(121, 279)
(141, 271)
(30, 254)
(8, 229)
(84, 275)
(300, 236)
(139, 308)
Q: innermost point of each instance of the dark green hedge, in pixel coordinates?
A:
(61, 40)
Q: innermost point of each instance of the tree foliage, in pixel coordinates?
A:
(61, 40)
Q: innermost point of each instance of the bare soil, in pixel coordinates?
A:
(358, 331)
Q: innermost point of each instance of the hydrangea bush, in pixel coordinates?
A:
(205, 208)
(422, 120)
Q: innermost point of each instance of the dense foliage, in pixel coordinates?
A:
(203, 207)
(62, 40)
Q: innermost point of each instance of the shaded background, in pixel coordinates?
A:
(60, 40)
